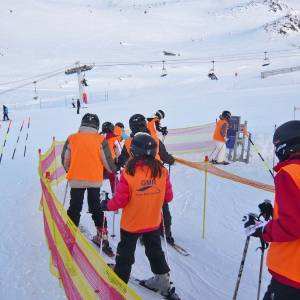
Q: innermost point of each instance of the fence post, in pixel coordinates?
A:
(204, 197)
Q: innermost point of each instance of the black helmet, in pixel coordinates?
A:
(107, 127)
(226, 114)
(90, 120)
(143, 145)
(286, 139)
(137, 123)
(160, 114)
(119, 124)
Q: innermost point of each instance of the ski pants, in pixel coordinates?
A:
(219, 152)
(279, 291)
(5, 117)
(76, 202)
(153, 250)
(167, 221)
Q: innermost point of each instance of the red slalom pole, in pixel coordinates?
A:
(28, 125)
(17, 140)
(4, 143)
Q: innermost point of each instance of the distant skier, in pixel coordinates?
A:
(73, 103)
(220, 138)
(154, 124)
(143, 189)
(137, 123)
(78, 106)
(85, 155)
(283, 231)
(5, 113)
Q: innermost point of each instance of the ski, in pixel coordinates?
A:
(171, 293)
(179, 249)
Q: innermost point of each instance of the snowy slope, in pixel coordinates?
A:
(44, 36)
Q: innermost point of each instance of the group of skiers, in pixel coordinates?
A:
(77, 105)
(143, 191)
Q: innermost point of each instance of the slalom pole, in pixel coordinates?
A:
(5, 138)
(261, 157)
(28, 125)
(17, 140)
(204, 197)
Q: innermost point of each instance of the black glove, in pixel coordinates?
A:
(164, 131)
(253, 226)
(266, 209)
(103, 205)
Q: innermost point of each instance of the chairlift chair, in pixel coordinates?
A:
(163, 70)
(266, 60)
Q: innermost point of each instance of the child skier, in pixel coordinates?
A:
(85, 155)
(153, 124)
(143, 189)
(137, 123)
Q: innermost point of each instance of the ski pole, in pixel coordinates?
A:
(5, 138)
(103, 223)
(165, 238)
(115, 212)
(204, 198)
(261, 157)
(17, 140)
(263, 247)
(28, 124)
(237, 285)
(66, 191)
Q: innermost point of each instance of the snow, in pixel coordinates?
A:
(41, 36)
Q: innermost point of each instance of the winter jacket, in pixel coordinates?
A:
(5, 109)
(221, 129)
(142, 199)
(114, 145)
(283, 231)
(84, 156)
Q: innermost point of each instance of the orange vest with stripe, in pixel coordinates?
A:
(146, 199)
(86, 163)
(284, 257)
(128, 142)
(217, 133)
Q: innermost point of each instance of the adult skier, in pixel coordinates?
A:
(220, 138)
(283, 231)
(5, 113)
(78, 105)
(85, 155)
(137, 123)
(143, 189)
(154, 125)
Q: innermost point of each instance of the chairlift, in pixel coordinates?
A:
(211, 73)
(35, 97)
(84, 81)
(266, 60)
(163, 70)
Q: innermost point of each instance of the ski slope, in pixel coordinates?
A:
(44, 36)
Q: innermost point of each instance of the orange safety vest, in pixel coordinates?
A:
(284, 257)
(128, 142)
(118, 132)
(151, 127)
(86, 163)
(146, 199)
(217, 133)
(111, 143)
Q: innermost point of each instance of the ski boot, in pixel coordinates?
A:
(170, 240)
(102, 235)
(159, 282)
